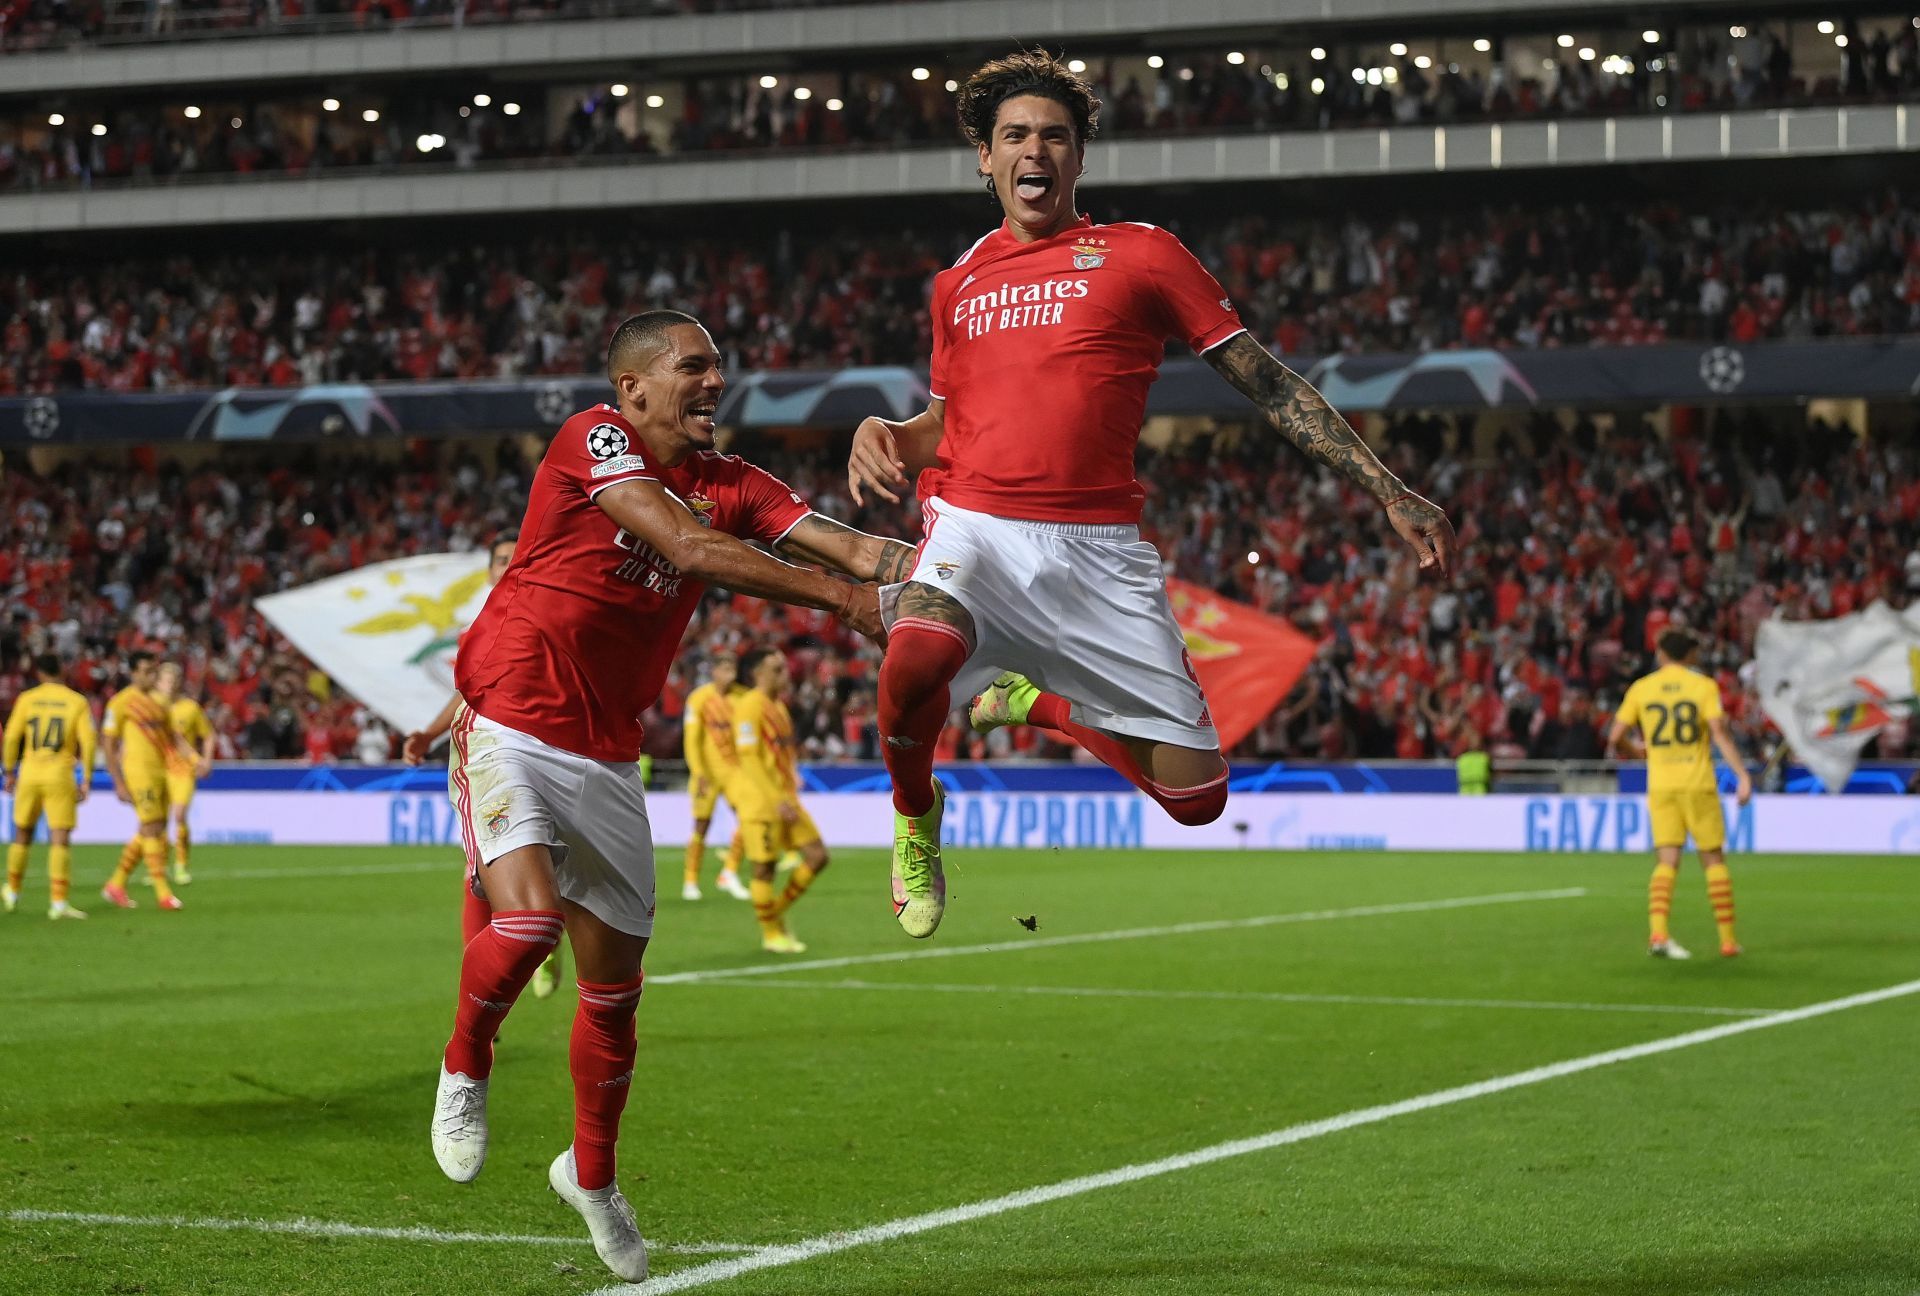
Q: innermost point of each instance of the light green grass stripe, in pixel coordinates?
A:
(334, 1229)
(716, 1271)
(1238, 996)
(1124, 934)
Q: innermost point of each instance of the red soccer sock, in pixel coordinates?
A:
(915, 678)
(495, 969)
(475, 913)
(1191, 806)
(601, 1059)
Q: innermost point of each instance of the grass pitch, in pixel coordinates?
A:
(268, 1055)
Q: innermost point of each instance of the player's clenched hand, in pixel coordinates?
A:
(10, 783)
(789, 813)
(120, 790)
(861, 611)
(79, 792)
(414, 750)
(698, 787)
(1743, 790)
(875, 464)
(1422, 524)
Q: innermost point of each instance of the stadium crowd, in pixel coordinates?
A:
(1584, 545)
(1565, 275)
(1697, 68)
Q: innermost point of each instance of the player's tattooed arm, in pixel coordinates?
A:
(1302, 415)
(818, 539)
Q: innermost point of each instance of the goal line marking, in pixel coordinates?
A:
(334, 1229)
(1123, 934)
(1244, 996)
(772, 1257)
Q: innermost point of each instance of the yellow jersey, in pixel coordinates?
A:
(706, 734)
(49, 732)
(763, 740)
(145, 730)
(1672, 708)
(190, 728)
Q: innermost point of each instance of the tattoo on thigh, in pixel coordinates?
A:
(924, 602)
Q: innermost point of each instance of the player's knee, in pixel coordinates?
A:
(818, 857)
(1201, 807)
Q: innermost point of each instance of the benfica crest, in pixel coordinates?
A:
(1089, 254)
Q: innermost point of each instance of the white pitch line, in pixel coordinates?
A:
(715, 1271)
(1236, 996)
(1128, 933)
(334, 1229)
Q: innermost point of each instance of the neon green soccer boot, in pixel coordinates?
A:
(1007, 701)
(919, 884)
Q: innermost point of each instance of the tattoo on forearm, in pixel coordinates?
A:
(895, 564)
(1302, 414)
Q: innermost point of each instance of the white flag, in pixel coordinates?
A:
(387, 633)
(1831, 686)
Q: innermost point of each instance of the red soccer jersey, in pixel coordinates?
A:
(575, 641)
(1044, 352)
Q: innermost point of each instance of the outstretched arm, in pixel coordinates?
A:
(819, 539)
(1303, 416)
(651, 514)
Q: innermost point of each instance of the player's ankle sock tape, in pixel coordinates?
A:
(915, 678)
(496, 967)
(600, 1055)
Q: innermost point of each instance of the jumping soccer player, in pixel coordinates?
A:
(1047, 334)
(632, 514)
(1678, 713)
(188, 762)
(139, 741)
(766, 793)
(475, 913)
(49, 763)
(706, 736)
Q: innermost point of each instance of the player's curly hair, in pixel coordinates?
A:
(1025, 72)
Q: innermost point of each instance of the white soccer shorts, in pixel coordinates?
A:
(510, 789)
(1080, 610)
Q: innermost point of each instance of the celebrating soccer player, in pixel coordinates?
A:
(1678, 713)
(766, 794)
(1047, 334)
(706, 736)
(632, 514)
(49, 763)
(139, 743)
(188, 762)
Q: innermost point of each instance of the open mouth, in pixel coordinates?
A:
(703, 412)
(1034, 185)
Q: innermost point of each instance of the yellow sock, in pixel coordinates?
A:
(1660, 899)
(129, 856)
(16, 865)
(155, 849)
(765, 907)
(1720, 891)
(183, 847)
(696, 855)
(797, 883)
(735, 849)
(59, 871)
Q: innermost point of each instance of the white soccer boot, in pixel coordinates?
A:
(9, 899)
(60, 909)
(690, 891)
(1668, 949)
(610, 1222)
(729, 881)
(460, 1125)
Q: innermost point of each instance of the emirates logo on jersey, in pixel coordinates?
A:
(1012, 306)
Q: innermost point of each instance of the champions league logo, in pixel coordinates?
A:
(604, 441)
(1722, 369)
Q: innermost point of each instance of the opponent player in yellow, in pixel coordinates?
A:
(706, 735)
(766, 794)
(49, 740)
(187, 763)
(139, 742)
(1678, 713)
